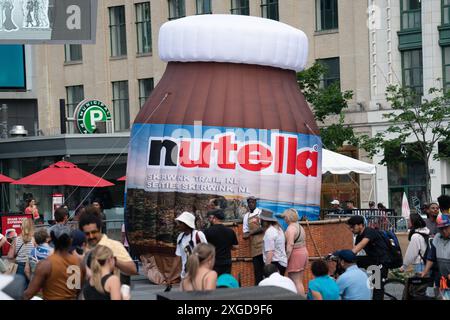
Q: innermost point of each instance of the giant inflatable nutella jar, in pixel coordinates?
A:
(226, 121)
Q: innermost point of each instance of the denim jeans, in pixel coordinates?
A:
(418, 268)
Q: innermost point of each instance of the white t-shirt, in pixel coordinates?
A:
(277, 280)
(183, 242)
(248, 215)
(275, 241)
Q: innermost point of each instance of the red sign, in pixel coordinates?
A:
(11, 223)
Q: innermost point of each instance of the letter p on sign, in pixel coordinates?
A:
(96, 115)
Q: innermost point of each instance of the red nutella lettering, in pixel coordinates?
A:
(254, 157)
(251, 156)
(203, 158)
(224, 148)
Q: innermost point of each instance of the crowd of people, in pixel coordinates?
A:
(60, 263)
(280, 257)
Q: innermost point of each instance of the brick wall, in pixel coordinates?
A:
(322, 237)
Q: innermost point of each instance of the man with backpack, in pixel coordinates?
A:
(379, 253)
(188, 239)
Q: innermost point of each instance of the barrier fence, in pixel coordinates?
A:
(379, 219)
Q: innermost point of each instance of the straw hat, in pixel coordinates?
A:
(267, 215)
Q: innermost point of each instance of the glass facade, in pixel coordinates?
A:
(177, 9)
(117, 30)
(411, 14)
(203, 6)
(326, 15)
(412, 70)
(143, 27)
(121, 106)
(269, 9)
(74, 95)
(332, 73)
(145, 88)
(73, 52)
(240, 7)
(99, 165)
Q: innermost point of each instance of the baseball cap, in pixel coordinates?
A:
(78, 238)
(226, 280)
(442, 221)
(251, 198)
(335, 202)
(218, 213)
(346, 255)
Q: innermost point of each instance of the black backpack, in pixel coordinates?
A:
(428, 240)
(394, 252)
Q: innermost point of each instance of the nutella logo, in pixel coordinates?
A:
(224, 152)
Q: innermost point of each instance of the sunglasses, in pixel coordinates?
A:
(94, 232)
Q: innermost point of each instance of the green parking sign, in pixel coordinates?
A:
(88, 112)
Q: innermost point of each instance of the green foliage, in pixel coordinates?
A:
(411, 119)
(327, 102)
(417, 125)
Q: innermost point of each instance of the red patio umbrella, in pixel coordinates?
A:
(124, 178)
(64, 173)
(5, 179)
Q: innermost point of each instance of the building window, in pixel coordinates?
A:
(143, 28)
(74, 95)
(177, 9)
(121, 109)
(117, 31)
(326, 14)
(332, 72)
(240, 7)
(73, 52)
(145, 88)
(269, 9)
(446, 67)
(204, 7)
(411, 14)
(412, 70)
(406, 175)
(445, 11)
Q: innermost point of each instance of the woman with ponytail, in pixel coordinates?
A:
(199, 269)
(22, 246)
(103, 284)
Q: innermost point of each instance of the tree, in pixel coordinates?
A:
(415, 126)
(327, 101)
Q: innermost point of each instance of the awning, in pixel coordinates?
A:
(339, 164)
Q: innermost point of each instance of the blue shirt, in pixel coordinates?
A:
(353, 285)
(326, 286)
(41, 252)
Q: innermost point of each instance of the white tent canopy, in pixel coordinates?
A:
(339, 164)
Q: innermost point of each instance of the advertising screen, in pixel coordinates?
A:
(12, 65)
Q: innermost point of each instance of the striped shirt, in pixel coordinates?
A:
(23, 250)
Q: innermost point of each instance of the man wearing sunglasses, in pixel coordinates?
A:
(91, 225)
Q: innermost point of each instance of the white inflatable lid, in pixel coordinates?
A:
(235, 39)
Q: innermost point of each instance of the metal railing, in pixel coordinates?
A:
(378, 219)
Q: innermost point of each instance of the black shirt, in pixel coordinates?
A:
(91, 293)
(376, 248)
(223, 239)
